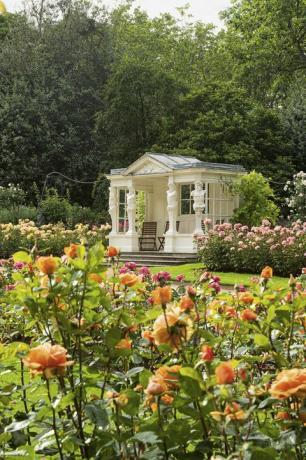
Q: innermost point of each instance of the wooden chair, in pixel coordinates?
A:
(162, 239)
(148, 237)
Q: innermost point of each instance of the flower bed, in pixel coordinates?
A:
(50, 239)
(115, 363)
(239, 248)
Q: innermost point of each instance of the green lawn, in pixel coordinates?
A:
(192, 270)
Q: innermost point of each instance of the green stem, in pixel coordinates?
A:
(54, 422)
(24, 397)
(162, 428)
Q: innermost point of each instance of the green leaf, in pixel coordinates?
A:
(259, 453)
(261, 341)
(134, 371)
(97, 413)
(113, 336)
(144, 377)
(190, 382)
(146, 437)
(22, 256)
(24, 453)
(271, 314)
(17, 426)
(132, 407)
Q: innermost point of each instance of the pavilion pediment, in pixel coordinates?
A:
(146, 166)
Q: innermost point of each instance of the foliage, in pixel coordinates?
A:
(266, 38)
(23, 213)
(11, 197)
(237, 247)
(54, 208)
(115, 374)
(297, 199)
(256, 198)
(47, 238)
(102, 87)
(85, 215)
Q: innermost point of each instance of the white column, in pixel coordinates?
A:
(172, 205)
(131, 210)
(198, 196)
(113, 208)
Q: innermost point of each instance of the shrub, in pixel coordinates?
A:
(297, 199)
(49, 238)
(54, 208)
(118, 364)
(256, 200)
(85, 216)
(13, 216)
(239, 248)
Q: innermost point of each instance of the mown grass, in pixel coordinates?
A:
(191, 272)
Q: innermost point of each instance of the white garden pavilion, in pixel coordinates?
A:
(178, 191)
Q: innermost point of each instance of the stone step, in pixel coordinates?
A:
(155, 258)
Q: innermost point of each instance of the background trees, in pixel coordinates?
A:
(83, 89)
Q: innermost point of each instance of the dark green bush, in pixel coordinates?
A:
(54, 208)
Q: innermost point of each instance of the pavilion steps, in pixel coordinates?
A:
(154, 258)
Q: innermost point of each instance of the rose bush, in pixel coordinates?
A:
(102, 361)
(50, 239)
(238, 248)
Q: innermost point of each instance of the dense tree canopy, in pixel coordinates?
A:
(83, 89)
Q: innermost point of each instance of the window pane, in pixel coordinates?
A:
(185, 207)
(122, 196)
(122, 211)
(185, 192)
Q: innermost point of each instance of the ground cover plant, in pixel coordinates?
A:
(240, 248)
(115, 363)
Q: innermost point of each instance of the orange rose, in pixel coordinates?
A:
(47, 265)
(290, 382)
(95, 277)
(234, 412)
(225, 373)
(72, 250)
(162, 295)
(167, 399)
(169, 374)
(266, 272)
(124, 344)
(112, 251)
(248, 315)
(49, 360)
(230, 312)
(156, 387)
(246, 297)
(173, 331)
(207, 353)
(148, 335)
(186, 303)
(128, 279)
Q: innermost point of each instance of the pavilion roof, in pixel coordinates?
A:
(176, 162)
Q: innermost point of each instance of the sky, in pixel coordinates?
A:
(204, 10)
